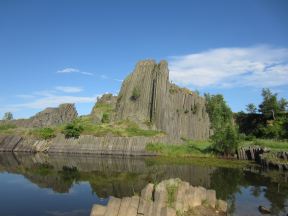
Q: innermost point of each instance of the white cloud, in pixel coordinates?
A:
(53, 101)
(87, 73)
(68, 70)
(49, 101)
(69, 89)
(49, 98)
(259, 66)
(74, 70)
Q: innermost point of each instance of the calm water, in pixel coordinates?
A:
(61, 185)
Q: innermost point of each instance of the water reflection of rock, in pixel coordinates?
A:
(120, 176)
(110, 172)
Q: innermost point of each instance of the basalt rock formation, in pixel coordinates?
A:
(148, 98)
(168, 198)
(50, 116)
(105, 104)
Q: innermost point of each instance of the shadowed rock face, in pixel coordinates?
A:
(147, 97)
(50, 116)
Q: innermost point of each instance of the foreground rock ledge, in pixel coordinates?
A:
(168, 198)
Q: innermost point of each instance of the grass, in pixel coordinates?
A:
(198, 161)
(123, 128)
(44, 133)
(103, 107)
(171, 193)
(189, 148)
(5, 127)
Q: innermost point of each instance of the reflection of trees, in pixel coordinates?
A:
(227, 183)
(117, 184)
(275, 189)
(45, 176)
(256, 191)
(277, 194)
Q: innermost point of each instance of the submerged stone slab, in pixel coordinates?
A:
(133, 207)
(211, 198)
(98, 210)
(166, 211)
(113, 207)
(125, 203)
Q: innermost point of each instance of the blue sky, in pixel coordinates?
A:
(55, 51)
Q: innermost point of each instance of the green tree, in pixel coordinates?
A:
(226, 140)
(219, 112)
(251, 108)
(271, 107)
(8, 116)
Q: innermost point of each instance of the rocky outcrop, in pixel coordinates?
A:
(50, 116)
(85, 144)
(108, 145)
(105, 104)
(168, 198)
(148, 98)
(264, 157)
(8, 143)
(251, 153)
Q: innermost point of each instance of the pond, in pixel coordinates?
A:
(60, 185)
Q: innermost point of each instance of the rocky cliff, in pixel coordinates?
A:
(50, 116)
(147, 97)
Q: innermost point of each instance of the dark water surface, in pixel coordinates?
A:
(62, 185)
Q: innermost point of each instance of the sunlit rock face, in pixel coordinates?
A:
(148, 98)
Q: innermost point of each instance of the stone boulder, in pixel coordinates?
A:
(148, 98)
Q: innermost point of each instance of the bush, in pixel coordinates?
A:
(225, 141)
(135, 93)
(45, 133)
(72, 130)
(105, 118)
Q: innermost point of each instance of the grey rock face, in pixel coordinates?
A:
(50, 116)
(54, 116)
(147, 97)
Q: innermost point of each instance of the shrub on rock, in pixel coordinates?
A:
(72, 130)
